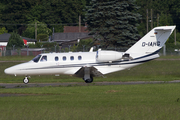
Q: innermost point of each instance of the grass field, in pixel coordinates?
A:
(114, 102)
(16, 58)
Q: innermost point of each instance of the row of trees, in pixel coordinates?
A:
(112, 22)
(164, 12)
(18, 14)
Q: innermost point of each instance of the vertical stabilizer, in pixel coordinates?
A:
(152, 42)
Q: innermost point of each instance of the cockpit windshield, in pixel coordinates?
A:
(36, 59)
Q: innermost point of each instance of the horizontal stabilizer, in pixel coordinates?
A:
(162, 29)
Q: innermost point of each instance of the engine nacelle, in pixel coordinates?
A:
(108, 56)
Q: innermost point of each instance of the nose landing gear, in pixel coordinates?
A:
(26, 80)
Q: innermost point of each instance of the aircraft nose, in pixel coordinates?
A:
(8, 71)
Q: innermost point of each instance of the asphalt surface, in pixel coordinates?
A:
(22, 85)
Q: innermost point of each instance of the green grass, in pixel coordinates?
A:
(16, 58)
(113, 102)
(126, 102)
(170, 57)
(156, 70)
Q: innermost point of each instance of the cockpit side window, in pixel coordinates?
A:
(44, 58)
(36, 59)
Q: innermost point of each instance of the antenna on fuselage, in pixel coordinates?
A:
(91, 50)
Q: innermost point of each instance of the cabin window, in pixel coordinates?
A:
(79, 57)
(56, 58)
(64, 58)
(36, 59)
(72, 58)
(44, 58)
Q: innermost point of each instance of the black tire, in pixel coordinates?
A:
(89, 80)
(26, 80)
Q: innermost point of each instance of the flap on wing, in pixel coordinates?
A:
(93, 72)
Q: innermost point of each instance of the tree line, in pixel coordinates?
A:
(14, 13)
(113, 22)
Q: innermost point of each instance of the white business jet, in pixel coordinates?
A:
(91, 64)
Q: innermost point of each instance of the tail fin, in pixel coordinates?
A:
(151, 42)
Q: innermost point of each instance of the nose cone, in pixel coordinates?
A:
(9, 71)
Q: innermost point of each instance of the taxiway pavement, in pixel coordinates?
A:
(22, 85)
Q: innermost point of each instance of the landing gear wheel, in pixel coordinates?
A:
(89, 80)
(26, 80)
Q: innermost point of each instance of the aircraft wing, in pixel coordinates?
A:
(92, 70)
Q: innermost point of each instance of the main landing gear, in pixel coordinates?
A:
(87, 76)
(88, 80)
(26, 80)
